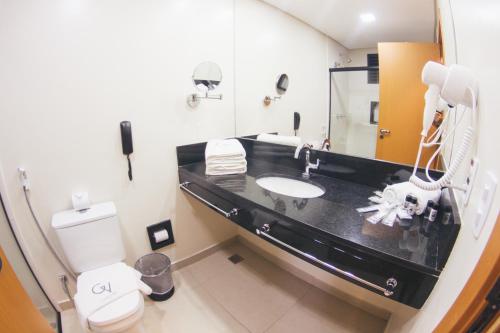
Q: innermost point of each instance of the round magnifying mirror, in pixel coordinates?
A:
(282, 84)
(207, 76)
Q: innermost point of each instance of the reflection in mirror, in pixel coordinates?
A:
(206, 77)
(282, 84)
(376, 103)
(362, 97)
(354, 112)
(281, 87)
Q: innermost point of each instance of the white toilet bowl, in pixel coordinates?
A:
(113, 318)
(108, 297)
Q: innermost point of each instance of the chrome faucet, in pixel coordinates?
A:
(309, 165)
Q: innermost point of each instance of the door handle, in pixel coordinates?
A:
(1, 263)
(384, 132)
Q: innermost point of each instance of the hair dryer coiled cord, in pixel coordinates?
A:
(445, 180)
(453, 168)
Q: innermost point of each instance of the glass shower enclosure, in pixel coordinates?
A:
(354, 110)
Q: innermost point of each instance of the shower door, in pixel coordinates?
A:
(24, 307)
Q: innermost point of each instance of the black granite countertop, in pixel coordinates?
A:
(333, 213)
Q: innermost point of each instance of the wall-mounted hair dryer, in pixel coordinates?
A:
(455, 85)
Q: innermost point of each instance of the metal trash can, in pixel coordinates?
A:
(157, 273)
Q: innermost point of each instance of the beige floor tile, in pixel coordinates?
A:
(320, 312)
(254, 291)
(191, 309)
(184, 278)
(211, 266)
(270, 274)
(215, 295)
(69, 322)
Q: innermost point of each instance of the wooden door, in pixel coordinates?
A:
(465, 313)
(402, 99)
(18, 314)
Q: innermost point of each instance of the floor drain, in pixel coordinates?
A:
(236, 258)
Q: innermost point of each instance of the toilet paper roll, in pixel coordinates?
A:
(80, 200)
(161, 235)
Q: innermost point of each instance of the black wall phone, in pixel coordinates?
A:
(127, 147)
(296, 122)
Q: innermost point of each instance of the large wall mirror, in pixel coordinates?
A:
(354, 71)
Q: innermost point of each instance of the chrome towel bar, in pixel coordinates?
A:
(391, 282)
(232, 212)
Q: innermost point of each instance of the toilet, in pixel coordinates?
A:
(109, 293)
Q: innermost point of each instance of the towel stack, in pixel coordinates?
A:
(279, 139)
(225, 157)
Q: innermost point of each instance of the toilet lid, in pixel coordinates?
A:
(92, 284)
(120, 309)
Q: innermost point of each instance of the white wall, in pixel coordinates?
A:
(477, 26)
(71, 71)
(270, 42)
(449, 57)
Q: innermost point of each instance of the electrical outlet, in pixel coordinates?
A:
(469, 182)
(23, 176)
(484, 204)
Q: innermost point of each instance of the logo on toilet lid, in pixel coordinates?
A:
(101, 288)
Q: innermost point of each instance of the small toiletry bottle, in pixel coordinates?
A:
(425, 221)
(407, 201)
(412, 204)
(446, 219)
(429, 217)
(433, 211)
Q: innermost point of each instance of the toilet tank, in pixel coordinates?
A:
(90, 239)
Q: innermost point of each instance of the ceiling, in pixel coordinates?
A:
(395, 20)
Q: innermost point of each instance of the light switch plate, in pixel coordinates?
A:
(484, 204)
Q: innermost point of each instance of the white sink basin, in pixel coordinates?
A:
(290, 187)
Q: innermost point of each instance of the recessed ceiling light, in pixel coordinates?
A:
(367, 17)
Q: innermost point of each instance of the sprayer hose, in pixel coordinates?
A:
(51, 248)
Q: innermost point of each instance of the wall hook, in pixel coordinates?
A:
(193, 100)
(269, 99)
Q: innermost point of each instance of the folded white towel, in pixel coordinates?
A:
(225, 157)
(396, 194)
(219, 171)
(224, 149)
(229, 163)
(279, 139)
(225, 160)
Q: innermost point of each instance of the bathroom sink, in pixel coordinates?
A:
(291, 187)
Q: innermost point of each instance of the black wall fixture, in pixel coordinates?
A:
(296, 122)
(127, 147)
(164, 225)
